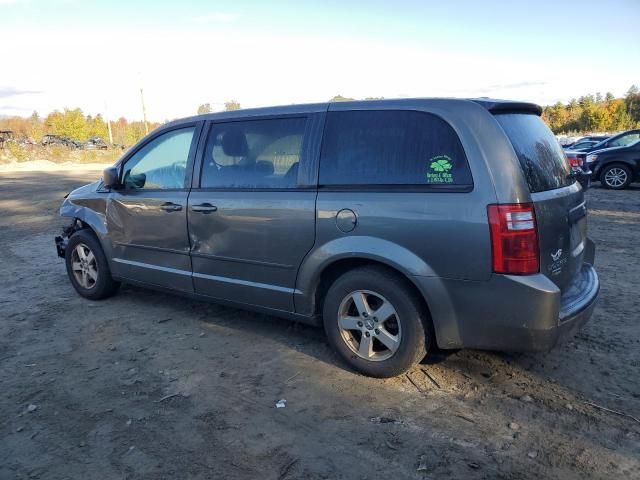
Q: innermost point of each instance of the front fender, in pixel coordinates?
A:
(89, 206)
(92, 218)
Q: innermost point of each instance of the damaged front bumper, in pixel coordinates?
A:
(62, 240)
(61, 245)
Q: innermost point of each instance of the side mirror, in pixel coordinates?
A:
(110, 177)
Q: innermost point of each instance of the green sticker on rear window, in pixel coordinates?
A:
(439, 168)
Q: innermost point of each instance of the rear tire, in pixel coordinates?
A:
(616, 176)
(375, 322)
(87, 266)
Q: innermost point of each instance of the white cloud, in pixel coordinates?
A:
(263, 69)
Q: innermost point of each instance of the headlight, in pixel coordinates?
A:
(591, 158)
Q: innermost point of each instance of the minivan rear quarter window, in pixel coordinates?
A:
(389, 147)
(541, 157)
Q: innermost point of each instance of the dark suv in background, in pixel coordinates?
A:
(399, 225)
(58, 140)
(585, 142)
(616, 167)
(95, 143)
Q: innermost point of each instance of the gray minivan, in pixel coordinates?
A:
(399, 225)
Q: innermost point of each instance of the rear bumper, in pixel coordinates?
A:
(576, 308)
(511, 313)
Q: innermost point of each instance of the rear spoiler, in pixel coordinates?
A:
(508, 106)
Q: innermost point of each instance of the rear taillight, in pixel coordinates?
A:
(514, 238)
(575, 162)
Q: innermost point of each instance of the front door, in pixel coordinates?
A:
(147, 218)
(252, 219)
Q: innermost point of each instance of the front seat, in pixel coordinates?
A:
(234, 144)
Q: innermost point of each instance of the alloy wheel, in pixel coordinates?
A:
(369, 325)
(615, 177)
(84, 266)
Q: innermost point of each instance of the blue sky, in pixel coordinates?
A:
(261, 53)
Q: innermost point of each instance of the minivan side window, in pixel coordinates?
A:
(253, 154)
(161, 163)
(389, 147)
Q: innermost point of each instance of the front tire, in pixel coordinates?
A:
(375, 322)
(87, 266)
(616, 177)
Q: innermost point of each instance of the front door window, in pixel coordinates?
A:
(161, 163)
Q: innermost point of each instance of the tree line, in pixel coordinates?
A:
(228, 106)
(594, 113)
(74, 124)
(589, 113)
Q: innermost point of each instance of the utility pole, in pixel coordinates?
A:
(106, 112)
(110, 133)
(144, 113)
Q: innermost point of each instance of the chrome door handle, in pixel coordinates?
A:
(170, 207)
(204, 208)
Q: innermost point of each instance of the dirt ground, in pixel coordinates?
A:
(150, 386)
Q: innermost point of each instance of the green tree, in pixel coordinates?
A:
(231, 105)
(340, 98)
(205, 108)
(632, 101)
(36, 127)
(134, 132)
(97, 127)
(70, 123)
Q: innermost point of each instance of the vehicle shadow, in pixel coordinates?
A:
(293, 335)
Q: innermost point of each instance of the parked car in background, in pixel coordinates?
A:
(617, 167)
(597, 138)
(58, 140)
(585, 142)
(5, 136)
(398, 225)
(95, 143)
(619, 140)
(27, 141)
(580, 145)
(578, 168)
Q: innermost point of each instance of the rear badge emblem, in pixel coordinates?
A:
(556, 266)
(556, 256)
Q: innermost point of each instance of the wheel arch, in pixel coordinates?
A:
(320, 270)
(84, 217)
(617, 161)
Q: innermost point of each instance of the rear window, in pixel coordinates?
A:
(541, 157)
(391, 148)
